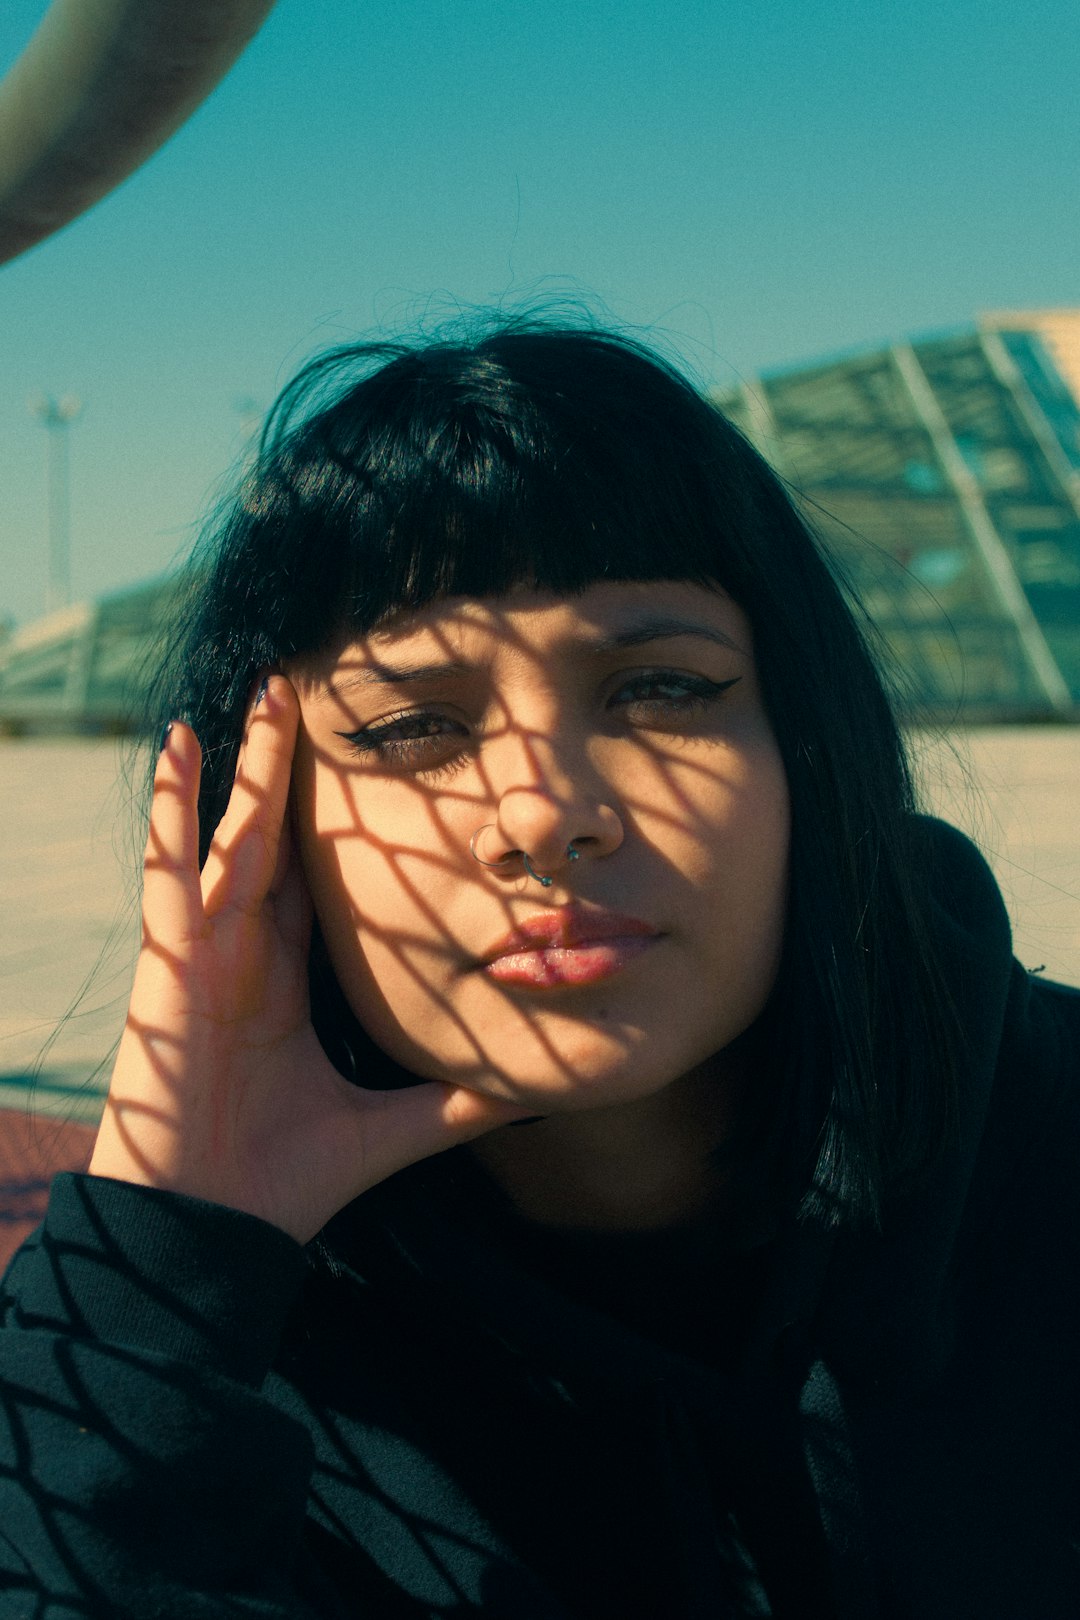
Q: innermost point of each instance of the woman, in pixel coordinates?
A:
(528, 768)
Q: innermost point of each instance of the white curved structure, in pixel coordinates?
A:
(103, 84)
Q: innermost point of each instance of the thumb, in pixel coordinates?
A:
(403, 1127)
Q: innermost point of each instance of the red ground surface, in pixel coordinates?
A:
(31, 1153)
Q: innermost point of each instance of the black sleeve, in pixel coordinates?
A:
(142, 1473)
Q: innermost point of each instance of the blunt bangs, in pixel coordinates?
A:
(464, 471)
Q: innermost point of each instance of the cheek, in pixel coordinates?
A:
(764, 854)
(719, 815)
(372, 881)
(734, 863)
(363, 859)
(760, 836)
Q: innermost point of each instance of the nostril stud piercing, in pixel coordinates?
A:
(544, 881)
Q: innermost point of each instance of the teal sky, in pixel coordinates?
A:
(752, 183)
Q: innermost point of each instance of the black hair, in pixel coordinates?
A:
(391, 474)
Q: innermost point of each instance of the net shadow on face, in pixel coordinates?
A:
(407, 911)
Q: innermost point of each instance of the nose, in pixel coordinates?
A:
(550, 814)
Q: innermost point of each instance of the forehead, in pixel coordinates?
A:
(541, 623)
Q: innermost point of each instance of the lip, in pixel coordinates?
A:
(557, 949)
(566, 928)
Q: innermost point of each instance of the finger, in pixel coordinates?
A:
(243, 856)
(287, 845)
(172, 899)
(289, 890)
(402, 1127)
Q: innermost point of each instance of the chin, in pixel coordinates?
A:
(584, 1085)
(556, 1064)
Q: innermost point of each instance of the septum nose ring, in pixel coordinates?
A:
(545, 882)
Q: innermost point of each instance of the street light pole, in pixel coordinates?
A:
(57, 416)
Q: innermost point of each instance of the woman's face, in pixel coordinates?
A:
(625, 723)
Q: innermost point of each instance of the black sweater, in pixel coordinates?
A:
(440, 1410)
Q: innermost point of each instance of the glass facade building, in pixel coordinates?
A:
(942, 474)
(944, 477)
(80, 669)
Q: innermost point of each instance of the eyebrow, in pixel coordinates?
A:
(638, 634)
(395, 675)
(661, 629)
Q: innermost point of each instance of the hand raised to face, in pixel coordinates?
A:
(221, 1089)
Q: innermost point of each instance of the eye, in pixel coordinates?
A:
(419, 740)
(655, 697)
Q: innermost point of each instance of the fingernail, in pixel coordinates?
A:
(165, 731)
(533, 1119)
(261, 693)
